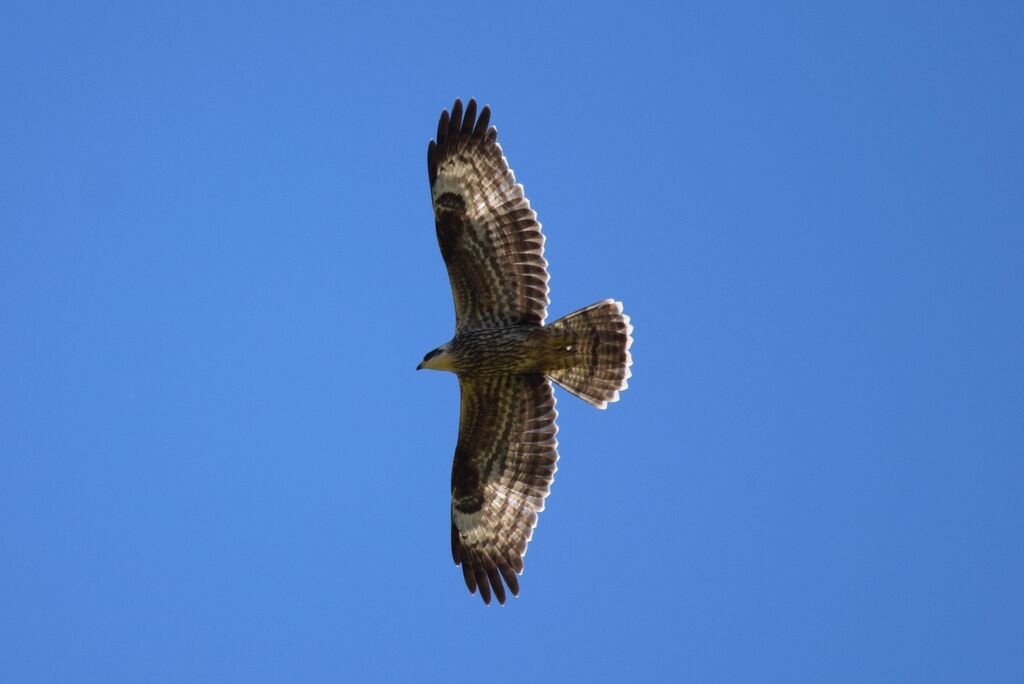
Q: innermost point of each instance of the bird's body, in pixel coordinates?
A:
(508, 349)
(503, 353)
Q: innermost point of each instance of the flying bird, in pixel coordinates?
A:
(504, 355)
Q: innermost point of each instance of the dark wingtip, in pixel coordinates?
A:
(432, 161)
(482, 584)
(455, 124)
(482, 123)
(457, 130)
(467, 574)
(442, 134)
(468, 119)
(496, 585)
(510, 578)
(456, 545)
(482, 573)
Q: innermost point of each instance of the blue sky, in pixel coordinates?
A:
(218, 271)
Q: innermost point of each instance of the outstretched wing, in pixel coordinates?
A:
(503, 469)
(489, 236)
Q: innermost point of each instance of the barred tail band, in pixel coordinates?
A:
(602, 336)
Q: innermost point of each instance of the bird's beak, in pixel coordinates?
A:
(419, 367)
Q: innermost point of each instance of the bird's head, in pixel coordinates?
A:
(439, 359)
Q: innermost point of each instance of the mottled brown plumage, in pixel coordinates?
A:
(503, 353)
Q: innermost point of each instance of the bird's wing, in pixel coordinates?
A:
(503, 469)
(489, 236)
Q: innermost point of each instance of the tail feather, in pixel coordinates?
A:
(601, 336)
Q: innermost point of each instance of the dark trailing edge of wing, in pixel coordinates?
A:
(458, 131)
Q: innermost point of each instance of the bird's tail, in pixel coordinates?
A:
(600, 336)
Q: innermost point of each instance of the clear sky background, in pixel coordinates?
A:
(218, 271)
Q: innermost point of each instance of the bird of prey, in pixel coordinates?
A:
(503, 353)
